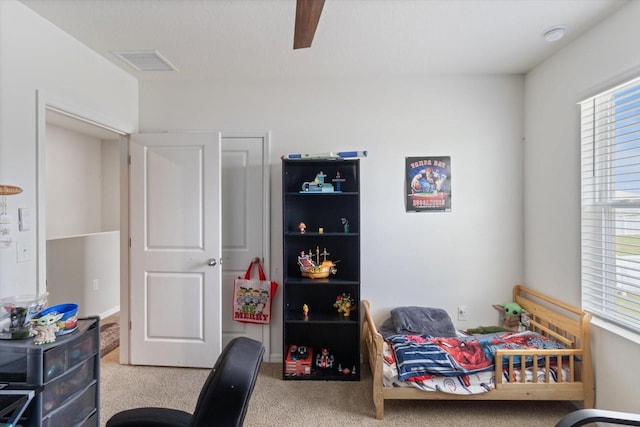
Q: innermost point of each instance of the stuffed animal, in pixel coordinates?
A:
(512, 315)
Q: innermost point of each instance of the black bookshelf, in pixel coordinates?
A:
(325, 196)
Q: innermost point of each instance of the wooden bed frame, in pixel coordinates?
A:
(550, 317)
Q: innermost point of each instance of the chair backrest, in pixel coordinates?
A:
(589, 416)
(225, 395)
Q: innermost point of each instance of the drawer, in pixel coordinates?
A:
(65, 356)
(13, 367)
(92, 421)
(79, 411)
(62, 388)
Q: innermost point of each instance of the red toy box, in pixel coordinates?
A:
(298, 361)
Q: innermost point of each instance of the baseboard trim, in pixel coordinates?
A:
(109, 312)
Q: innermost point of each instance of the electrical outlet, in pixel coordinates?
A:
(463, 312)
(23, 248)
(96, 284)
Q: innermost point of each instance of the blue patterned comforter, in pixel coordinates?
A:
(420, 355)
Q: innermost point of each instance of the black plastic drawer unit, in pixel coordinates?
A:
(64, 377)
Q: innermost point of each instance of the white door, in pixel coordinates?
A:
(245, 216)
(175, 277)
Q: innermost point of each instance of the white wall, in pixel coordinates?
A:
(73, 184)
(82, 185)
(35, 55)
(471, 256)
(85, 270)
(601, 58)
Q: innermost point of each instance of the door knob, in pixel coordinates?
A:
(212, 262)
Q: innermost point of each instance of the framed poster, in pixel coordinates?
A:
(428, 184)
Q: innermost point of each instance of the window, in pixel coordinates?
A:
(610, 167)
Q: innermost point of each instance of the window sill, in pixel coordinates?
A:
(615, 329)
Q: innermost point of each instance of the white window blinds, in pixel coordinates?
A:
(610, 160)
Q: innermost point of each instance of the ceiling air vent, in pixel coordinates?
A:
(148, 60)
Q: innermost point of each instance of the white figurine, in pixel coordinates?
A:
(45, 328)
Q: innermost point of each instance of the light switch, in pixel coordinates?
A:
(24, 219)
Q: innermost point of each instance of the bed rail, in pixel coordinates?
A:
(564, 362)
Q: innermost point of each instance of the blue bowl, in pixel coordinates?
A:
(69, 319)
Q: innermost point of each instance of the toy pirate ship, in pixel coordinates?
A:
(314, 269)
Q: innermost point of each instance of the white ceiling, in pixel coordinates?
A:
(220, 39)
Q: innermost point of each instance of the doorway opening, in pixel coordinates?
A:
(82, 205)
(72, 221)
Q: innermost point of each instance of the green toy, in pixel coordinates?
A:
(514, 319)
(512, 313)
(482, 330)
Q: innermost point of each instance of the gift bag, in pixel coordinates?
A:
(252, 298)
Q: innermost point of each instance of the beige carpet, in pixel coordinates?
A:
(310, 403)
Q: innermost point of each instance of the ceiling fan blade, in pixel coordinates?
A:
(307, 17)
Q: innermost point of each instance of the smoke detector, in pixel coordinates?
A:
(555, 33)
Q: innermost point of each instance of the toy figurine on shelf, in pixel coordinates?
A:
(305, 311)
(324, 359)
(338, 180)
(345, 224)
(346, 371)
(344, 304)
(298, 352)
(302, 227)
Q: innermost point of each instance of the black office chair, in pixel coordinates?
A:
(587, 416)
(223, 399)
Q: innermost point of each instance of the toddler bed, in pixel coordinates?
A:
(488, 367)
